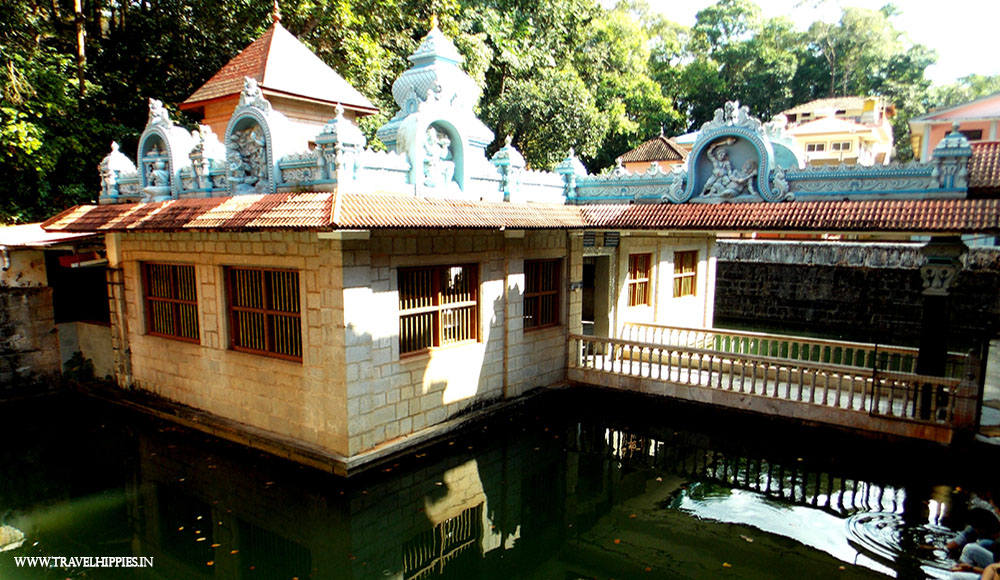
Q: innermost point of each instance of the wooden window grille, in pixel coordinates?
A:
(264, 312)
(541, 293)
(638, 279)
(685, 273)
(438, 306)
(171, 299)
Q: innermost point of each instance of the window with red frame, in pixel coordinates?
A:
(438, 306)
(171, 299)
(541, 293)
(264, 312)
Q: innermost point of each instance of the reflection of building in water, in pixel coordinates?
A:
(202, 514)
(544, 501)
(427, 554)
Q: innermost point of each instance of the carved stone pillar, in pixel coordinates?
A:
(943, 256)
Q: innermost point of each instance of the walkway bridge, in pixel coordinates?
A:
(859, 386)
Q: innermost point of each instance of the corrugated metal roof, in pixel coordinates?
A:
(363, 211)
(33, 236)
(951, 216)
(658, 148)
(279, 62)
(393, 211)
(984, 167)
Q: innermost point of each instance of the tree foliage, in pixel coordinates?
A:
(967, 88)
(555, 74)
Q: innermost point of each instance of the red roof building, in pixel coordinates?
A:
(296, 81)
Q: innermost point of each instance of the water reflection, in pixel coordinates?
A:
(592, 490)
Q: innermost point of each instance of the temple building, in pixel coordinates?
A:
(298, 291)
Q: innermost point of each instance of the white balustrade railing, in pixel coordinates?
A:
(854, 354)
(883, 393)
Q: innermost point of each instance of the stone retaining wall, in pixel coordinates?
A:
(29, 347)
(869, 292)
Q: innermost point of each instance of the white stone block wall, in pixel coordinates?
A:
(391, 395)
(694, 310)
(305, 401)
(352, 391)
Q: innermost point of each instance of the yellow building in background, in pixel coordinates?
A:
(848, 130)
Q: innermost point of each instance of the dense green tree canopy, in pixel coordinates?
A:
(555, 74)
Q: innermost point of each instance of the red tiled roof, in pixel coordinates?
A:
(279, 62)
(658, 148)
(325, 211)
(911, 216)
(984, 167)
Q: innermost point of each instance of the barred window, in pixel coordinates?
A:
(264, 313)
(437, 306)
(685, 273)
(638, 279)
(541, 293)
(171, 299)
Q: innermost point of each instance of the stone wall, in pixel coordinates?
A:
(300, 400)
(862, 292)
(391, 395)
(29, 346)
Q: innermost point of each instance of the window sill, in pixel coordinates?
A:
(535, 329)
(420, 355)
(194, 341)
(270, 355)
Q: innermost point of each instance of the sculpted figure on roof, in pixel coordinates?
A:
(725, 181)
(247, 161)
(252, 96)
(439, 168)
(721, 166)
(158, 114)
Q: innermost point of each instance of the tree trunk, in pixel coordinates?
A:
(81, 38)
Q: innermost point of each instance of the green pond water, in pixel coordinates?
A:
(576, 484)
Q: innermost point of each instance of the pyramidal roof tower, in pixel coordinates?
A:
(296, 82)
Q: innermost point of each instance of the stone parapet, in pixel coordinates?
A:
(906, 256)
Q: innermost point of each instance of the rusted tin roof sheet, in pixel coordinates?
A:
(325, 211)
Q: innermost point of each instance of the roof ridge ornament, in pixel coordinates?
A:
(733, 115)
(276, 12)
